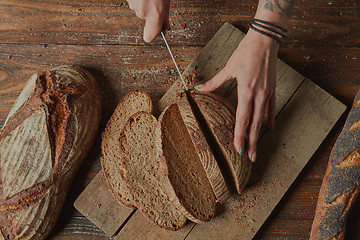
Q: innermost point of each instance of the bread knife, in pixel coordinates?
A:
(172, 57)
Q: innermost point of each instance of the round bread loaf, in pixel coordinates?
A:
(46, 135)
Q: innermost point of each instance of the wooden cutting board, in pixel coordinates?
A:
(304, 116)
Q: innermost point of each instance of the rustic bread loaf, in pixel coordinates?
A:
(142, 174)
(130, 104)
(220, 117)
(46, 135)
(341, 183)
(183, 168)
(202, 148)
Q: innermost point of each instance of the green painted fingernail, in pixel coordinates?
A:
(197, 87)
(241, 150)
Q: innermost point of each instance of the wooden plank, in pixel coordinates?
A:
(140, 228)
(299, 130)
(101, 206)
(112, 22)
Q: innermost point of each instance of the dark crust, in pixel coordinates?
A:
(58, 101)
(25, 198)
(331, 213)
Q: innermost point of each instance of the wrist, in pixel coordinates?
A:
(266, 32)
(262, 39)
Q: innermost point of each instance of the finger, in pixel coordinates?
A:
(166, 21)
(255, 125)
(271, 111)
(152, 28)
(219, 79)
(243, 111)
(131, 4)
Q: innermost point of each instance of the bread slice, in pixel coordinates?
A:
(183, 168)
(132, 103)
(142, 174)
(220, 118)
(202, 148)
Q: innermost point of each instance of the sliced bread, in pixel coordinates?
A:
(132, 103)
(220, 118)
(142, 173)
(182, 166)
(202, 148)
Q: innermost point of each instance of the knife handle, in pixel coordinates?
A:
(163, 29)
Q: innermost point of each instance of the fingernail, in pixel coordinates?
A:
(197, 87)
(253, 157)
(241, 150)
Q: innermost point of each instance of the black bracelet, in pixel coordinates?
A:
(254, 22)
(265, 33)
(269, 24)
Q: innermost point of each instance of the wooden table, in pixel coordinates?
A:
(105, 37)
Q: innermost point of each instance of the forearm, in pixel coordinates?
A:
(274, 11)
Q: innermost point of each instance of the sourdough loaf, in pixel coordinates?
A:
(46, 135)
(142, 174)
(203, 150)
(341, 183)
(130, 104)
(183, 168)
(219, 116)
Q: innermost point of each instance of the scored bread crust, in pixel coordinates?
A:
(341, 183)
(141, 171)
(130, 104)
(203, 150)
(220, 116)
(46, 135)
(190, 188)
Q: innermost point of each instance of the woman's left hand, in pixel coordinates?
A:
(253, 64)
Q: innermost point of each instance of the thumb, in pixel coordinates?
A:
(152, 28)
(219, 79)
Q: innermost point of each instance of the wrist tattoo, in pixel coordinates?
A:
(282, 7)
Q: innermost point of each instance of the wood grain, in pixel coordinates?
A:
(103, 209)
(322, 44)
(112, 22)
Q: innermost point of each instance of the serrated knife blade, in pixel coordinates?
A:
(172, 57)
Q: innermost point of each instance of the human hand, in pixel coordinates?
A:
(156, 14)
(253, 64)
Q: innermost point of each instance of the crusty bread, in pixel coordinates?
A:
(183, 168)
(341, 184)
(220, 118)
(47, 134)
(142, 174)
(202, 148)
(130, 104)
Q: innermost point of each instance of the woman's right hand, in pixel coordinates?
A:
(156, 14)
